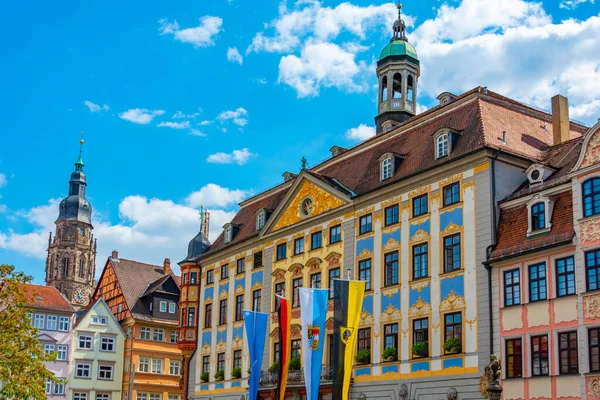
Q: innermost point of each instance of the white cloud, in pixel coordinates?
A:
(204, 123)
(3, 180)
(361, 132)
(174, 125)
(96, 107)
(197, 132)
(213, 195)
(238, 116)
(202, 35)
(239, 157)
(3, 208)
(262, 81)
(180, 115)
(140, 115)
(147, 230)
(572, 4)
(233, 55)
(323, 64)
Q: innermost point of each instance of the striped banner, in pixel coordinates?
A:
(284, 314)
(313, 310)
(255, 324)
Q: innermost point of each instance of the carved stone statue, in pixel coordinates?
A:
(403, 392)
(488, 383)
(452, 394)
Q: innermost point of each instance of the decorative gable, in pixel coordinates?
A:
(309, 201)
(590, 150)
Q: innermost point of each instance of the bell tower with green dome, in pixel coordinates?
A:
(398, 71)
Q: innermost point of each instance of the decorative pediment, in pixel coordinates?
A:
(278, 275)
(590, 150)
(452, 302)
(391, 313)
(239, 289)
(420, 308)
(296, 269)
(274, 333)
(314, 263)
(296, 331)
(307, 198)
(333, 259)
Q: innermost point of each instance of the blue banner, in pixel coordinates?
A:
(313, 310)
(255, 324)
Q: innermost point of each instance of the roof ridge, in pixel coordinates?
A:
(140, 262)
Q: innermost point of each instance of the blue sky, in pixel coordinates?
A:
(206, 102)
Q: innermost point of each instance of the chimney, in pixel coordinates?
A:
(115, 254)
(560, 119)
(167, 266)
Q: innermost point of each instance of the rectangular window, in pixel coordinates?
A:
(39, 321)
(258, 259)
(49, 348)
(207, 315)
(453, 326)
(172, 307)
(391, 269)
(51, 322)
(296, 347)
(173, 337)
(538, 216)
(452, 253)
(335, 234)
(83, 370)
(155, 396)
(224, 271)
(185, 279)
(173, 367)
(48, 386)
(276, 352)
(240, 266)
(221, 362)
(514, 358)
(365, 224)
(364, 272)
(279, 290)
(391, 215)
(364, 339)
(296, 285)
(333, 274)
(158, 334)
(145, 333)
(85, 341)
(191, 316)
(315, 281)
(80, 396)
(157, 366)
(237, 359)
(105, 372)
(107, 344)
(162, 306)
(210, 276)
(205, 363)
(567, 353)
(592, 269)
(316, 240)
(390, 336)
(512, 287)
(222, 312)
(420, 205)
(299, 246)
(537, 282)
(102, 396)
(565, 276)
(99, 320)
(62, 352)
(63, 324)
(421, 334)
(420, 261)
(59, 388)
(256, 295)
(539, 355)
(193, 278)
(281, 251)
(451, 194)
(239, 307)
(144, 364)
(594, 349)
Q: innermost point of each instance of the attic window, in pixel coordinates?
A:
(228, 233)
(539, 210)
(38, 298)
(442, 145)
(536, 173)
(387, 168)
(260, 220)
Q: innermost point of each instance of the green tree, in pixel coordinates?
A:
(23, 373)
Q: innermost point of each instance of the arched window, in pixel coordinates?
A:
(538, 216)
(386, 168)
(441, 146)
(591, 197)
(65, 266)
(82, 268)
(260, 220)
(410, 87)
(397, 86)
(384, 84)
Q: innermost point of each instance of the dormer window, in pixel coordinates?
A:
(387, 168)
(539, 210)
(260, 220)
(538, 216)
(537, 173)
(442, 145)
(228, 233)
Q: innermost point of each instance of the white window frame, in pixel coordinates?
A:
(155, 396)
(62, 349)
(107, 371)
(260, 220)
(59, 388)
(173, 336)
(387, 168)
(85, 339)
(145, 333)
(141, 396)
(228, 234)
(102, 396)
(49, 348)
(107, 340)
(145, 363)
(156, 332)
(51, 322)
(39, 321)
(442, 140)
(99, 320)
(172, 307)
(157, 365)
(548, 210)
(174, 397)
(49, 385)
(83, 368)
(63, 324)
(174, 367)
(162, 306)
(80, 396)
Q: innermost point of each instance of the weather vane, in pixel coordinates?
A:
(81, 142)
(303, 161)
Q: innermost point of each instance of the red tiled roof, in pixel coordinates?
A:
(480, 123)
(512, 228)
(46, 298)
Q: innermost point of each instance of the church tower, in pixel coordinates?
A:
(71, 262)
(398, 71)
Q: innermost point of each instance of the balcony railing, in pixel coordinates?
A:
(268, 379)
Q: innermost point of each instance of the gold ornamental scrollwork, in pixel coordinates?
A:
(418, 287)
(391, 244)
(593, 386)
(591, 306)
(452, 302)
(420, 308)
(419, 236)
(592, 153)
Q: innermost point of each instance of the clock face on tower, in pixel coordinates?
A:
(80, 296)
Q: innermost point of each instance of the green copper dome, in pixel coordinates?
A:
(398, 48)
